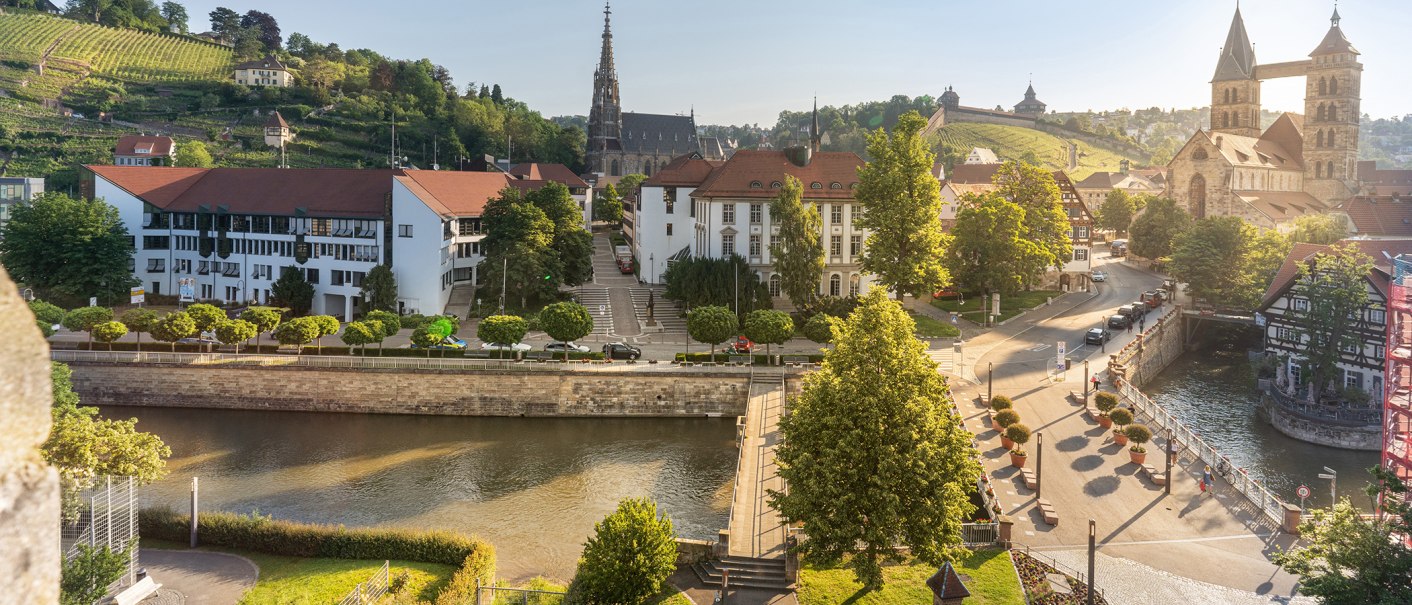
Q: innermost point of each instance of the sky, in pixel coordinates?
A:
(743, 61)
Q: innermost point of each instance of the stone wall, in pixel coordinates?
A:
(1150, 353)
(1367, 438)
(435, 392)
(29, 489)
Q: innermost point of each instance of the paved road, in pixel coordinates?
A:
(1215, 540)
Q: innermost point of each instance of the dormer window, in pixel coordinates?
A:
(835, 185)
(816, 185)
(776, 184)
(755, 185)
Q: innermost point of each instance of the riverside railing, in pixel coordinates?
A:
(1265, 501)
(360, 362)
(1316, 411)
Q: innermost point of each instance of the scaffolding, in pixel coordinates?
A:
(1397, 412)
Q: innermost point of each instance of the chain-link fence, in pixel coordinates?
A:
(103, 515)
(366, 593)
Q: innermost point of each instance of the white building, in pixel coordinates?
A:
(438, 233)
(142, 150)
(982, 155)
(268, 71)
(15, 190)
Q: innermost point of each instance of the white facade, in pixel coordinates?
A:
(422, 259)
(664, 230)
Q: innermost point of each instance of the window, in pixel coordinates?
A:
(1377, 316)
(816, 185)
(1081, 232)
(669, 196)
(835, 185)
(754, 245)
(727, 244)
(757, 212)
(836, 245)
(1299, 304)
(776, 184)
(756, 185)
(728, 214)
(855, 245)
(853, 284)
(1353, 379)
(836, 214)
(156, 265)
(669, 229)
(835, 285)
(404, 231)
(1080, 254)
(775, 284)
(1286, 335)
(156, 242)
(319, 226)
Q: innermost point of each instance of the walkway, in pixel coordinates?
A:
(756, 530)
(609, 295)
(197, 577)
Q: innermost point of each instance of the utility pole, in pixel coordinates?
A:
(504, 281)
(989, 381)
(1092, 547)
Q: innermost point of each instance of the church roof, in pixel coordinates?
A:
(1280, 147)
(1281, 206)
(658, 134)
(1237, 55)
(688, 170)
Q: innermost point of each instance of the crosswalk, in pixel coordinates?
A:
(945, 359)
(665, 312)
(599, 306)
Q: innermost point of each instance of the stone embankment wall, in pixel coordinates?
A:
(1368, 438)
(448, 393)
(1150, 353)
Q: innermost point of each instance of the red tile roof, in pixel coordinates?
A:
(1381, 216)
(329, 192)
(457, 193)
(1381, 251)
(973, 174)
(687, 170)
(144, 146)
(734, 178)
(558, 173)
(276, 121)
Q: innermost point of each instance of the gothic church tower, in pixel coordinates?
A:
(1331, 115)
(605, 119)
(1235, 93)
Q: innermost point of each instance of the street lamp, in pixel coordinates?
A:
(1039, 464)
(1103, 337)
(1332, 476)
(989, 381)
(1086, 376)
(652, 268)
(1092, 546)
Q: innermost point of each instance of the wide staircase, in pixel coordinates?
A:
(745, 572)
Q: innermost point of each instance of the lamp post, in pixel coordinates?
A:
(1171, 452)
(1092, 547)
(652, 267)
(1100, 338)
(989, 381)
(1332, 476)
(1103, 340)
(1038, 464)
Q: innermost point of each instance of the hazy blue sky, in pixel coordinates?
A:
(742, 61)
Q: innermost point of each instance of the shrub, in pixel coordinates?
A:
(1001, 402)
(1105, 401)
(819, 328)
(45, 312)
(1121, 416)
(1005, 418)
(1138, 434)
(628, 558)
(1020, 434)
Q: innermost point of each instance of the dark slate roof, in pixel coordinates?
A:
(269, 62)
(656, 133)
(1237, 56)
(276, 121)
(945, 584)
(1334, 42)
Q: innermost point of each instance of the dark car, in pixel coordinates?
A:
(1139, 310)
(618, 350)
(1097, 336)
(1119, 322)
(1127, 311)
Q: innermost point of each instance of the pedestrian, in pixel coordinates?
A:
(1130, 327)
(1207, 480)
(1142, 325)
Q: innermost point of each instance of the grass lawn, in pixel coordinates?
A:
(992, 582)
(928, 327)
(670, 597)
(1010, 306)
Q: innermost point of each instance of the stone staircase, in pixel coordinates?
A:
(744, 573)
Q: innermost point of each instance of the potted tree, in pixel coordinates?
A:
(1105, 402)
(998, 404)
(1121, 417)
(1138, 434)
(1020, 435)
(1003, 419)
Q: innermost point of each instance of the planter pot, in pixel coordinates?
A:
(1009, 445)
(1137, 457)
(996, 425)
(1105, 422)
(1120, 438)
(1017, 461)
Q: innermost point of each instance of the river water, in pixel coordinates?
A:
(533, 487)
(1213, 391)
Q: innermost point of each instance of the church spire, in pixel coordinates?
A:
(814, 134)
(605, 59)
(1238, 55)
(605, 117)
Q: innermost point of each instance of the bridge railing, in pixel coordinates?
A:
(1265, 501)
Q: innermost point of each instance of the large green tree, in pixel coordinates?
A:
(712, 325)
(566, 322)
(571, 243)
(900, 203)
(173, 327)
(987, 247)
(874, 453)
(294, 291)
(192, 154)
(628, 558)
(68, 249)
(519, 257)
(1209, 258)
(727, 282)
(769, 327)
(1322, 229)
(797, 249)
(299, 331)
(608, 205)
(265, 319)
(139, 321)
(1116, 212)
(1045, 224)
(236, 331)
(380, 289)
(1334, 285)
(1154, 229)
(84, 319)
(175, 14)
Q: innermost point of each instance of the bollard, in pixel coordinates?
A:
(193, 511)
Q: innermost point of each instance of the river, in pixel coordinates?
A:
(1213, 391)
(533, 487)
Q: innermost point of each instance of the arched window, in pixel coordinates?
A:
(1333, 85)
(816, 185)
(1199, 154)
(1235, 119)
(835, 185)
(853, 283)
(1318, 170)
(1319, 139)
(615, 171)
(1240, 180)
(647, 168)
(755, 185)
(1331, 138)
(1226, 96)
(1321, 112)
(776, 184)
(1330, 170)
(1225, 120)
(1323, 86)
(1197, 193)
(775, 284)
(835, 285)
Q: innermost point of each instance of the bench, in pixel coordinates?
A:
(1047, 509)
(744, 360)
(1156, 477)
(1030, 481)
(541, 355)
(794, 359)
(478, 354)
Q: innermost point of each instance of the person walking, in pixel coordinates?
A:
(1130, 327)
(1208, 482)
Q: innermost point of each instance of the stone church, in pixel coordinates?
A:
(621, 143)
(1300, 164)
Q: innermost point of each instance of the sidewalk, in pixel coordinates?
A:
(198, 577)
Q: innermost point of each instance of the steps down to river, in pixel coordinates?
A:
(745, 572)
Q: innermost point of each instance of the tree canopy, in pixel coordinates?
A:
(769, 328)
(1208, 257)
(988, 248)
(701, 281)
(236, 331)
(1044, 222)
(192, 154)
(566, 322)
(711, 324)
(900, 205)
(1116, 212)
(380, 289)
(1334, 284)
(1152, 231)
(294, 291)
(797, 249)
(1322, 229)
(68, 249)
(502, 329)
(608, 205)
(628, 558)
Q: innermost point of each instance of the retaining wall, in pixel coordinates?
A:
(1150, 353)
(1367, 438)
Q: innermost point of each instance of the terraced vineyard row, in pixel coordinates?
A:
(119, 53)
(1013, 142)
(24, 37)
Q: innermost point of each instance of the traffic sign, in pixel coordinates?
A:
(138, 295)
(602, 309)
(1303, 491)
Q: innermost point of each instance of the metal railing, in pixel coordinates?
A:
(980, 534)
(500, 595)
(1265, 501)
(1372, 416)
(366, 593)
(360, 362)
(1061, 568)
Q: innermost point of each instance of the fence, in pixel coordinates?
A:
(1064, 569)
(355, 362)
(1264, 501)
(980, 534)
(366, 593)
(498, 595)
(106, 516)
(1348, 416)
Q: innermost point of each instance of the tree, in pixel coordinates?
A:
(988, 248)
(502, 329)
(294, 291)
(264, 318)
(628, 558)
(727, 282)
(328, 326)
(820, 328)
(358, 334)
(68, 249)
(84, 319)
(1335, 285)
(769, 327)
(518, 248)
(175, 14)
(299, 331)
(139, 320)
(630, 182)
(236, 331)
(1321, 229)
(225, 23)
(1347, 559)
(900, 203)
(570, 242)
(193, 154)
(608, 205)
(173, 327)
(1045, 224)
(1152, 231)
(798, 248)
(1209, 257)
(266, 28)
(496, 96)
(874, 453)
(379, 334)
(711, 324)
(86, 577)
(389, 323)
(206, 316)
(379, 289)
(1116, 212)
(45, 312)
(566, 322)
(1263, 257)
(108, 331)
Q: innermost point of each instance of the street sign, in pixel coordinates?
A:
(138, 295)
(995, 304)
(1059, 352)
(1303, 492)
(955, 318)
(602, 309)
(186, 289)
(93, 301)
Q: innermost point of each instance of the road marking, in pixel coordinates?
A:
(1147, 542)
(1038, 347)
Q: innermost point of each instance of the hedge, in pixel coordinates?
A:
(760, 360)
(261, 534)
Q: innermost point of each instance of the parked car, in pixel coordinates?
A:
(740, 346)
(618, 350)
(203, 341)
(1153, 298)
(1117, 243)
(1097, 336)
(560, 347)
(945, 293)
(1139, 310)
(1119, 322)
(1127, 311)
(1099, 276)
(518, 347)
(450, 342)
(1120, 251)
(625, 265)
(1164, 294)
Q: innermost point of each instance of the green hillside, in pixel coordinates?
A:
(1015, 142)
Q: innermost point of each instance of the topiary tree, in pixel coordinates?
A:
(769, 327)
(1006, 418)
(628, 558)
(819, 328)
(1020, 434)
(358, 334)
(299, 331)
(502, 330)
(1001, 402)
(1105, 402)
(1138, 434)
(236, 331)
(1121, 417)
(375, 328)
(46, 313)
(566, 322)
(390, 325)
(83, 319)
(711, 324)
(107, 332)
(173, 327)
(138, 321)
(265, 319)
(328, 326)
(206, 316)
